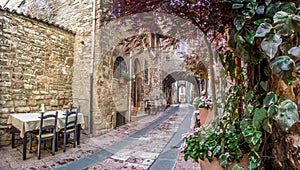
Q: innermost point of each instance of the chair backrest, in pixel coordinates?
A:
(50, 125)
(72, 112)
(74, 108)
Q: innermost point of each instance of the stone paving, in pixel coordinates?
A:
(125, 147)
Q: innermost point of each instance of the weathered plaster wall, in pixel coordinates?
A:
(36, 67)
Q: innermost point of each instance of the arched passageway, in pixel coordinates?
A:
(199, 84)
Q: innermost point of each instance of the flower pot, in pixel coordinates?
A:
(215, 165)
(135, 110)
(205, 116)
(122, 80)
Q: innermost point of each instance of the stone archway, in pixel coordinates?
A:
(180, 75)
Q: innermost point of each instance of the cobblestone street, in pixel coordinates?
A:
(149, 143)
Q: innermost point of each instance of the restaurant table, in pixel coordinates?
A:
(27, 122)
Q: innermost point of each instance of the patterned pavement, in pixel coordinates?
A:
(136, 145)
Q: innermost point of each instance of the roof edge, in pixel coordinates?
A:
(13, 11)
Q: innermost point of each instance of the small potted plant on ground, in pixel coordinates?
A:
(203, 104)
(125, 77)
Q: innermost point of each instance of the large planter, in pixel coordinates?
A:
(215, 165)
(205, 116)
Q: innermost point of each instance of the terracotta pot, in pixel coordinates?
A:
(122, 80)
(135, 110)
(205, 116)
(215, 165)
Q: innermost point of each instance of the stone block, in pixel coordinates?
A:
(44, 92)
(4, 110)
(5, 97)
(11, 109)
(4, 76)
(28, 86)
(35, 92)
(3, 90)
(38, 97)
(5, 84)
(22, 109)
(109, 118)
(54, 102)
(4, 62)
(18, 103)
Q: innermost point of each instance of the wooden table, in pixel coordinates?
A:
(24, 123)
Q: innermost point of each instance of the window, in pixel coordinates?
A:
(119, 67)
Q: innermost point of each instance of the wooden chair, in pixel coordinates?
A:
(47, 131)
(70, 126)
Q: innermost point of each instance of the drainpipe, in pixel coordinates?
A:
(130, 87)
(92, 68)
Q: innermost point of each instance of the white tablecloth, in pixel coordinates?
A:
(31, 121)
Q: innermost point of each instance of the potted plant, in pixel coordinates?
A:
(235, 140)
(220, 144)
(203, 104)
(125, 77)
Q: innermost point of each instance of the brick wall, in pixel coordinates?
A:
(36, 67)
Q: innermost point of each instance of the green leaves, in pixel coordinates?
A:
(291, 80)
(254, 164)
(259, 115)
(249, 37)
(256, 137)
(298, 66)
(249, 96)
(270, 44)
(287, 114)
(260, 9)
(216, 150)
(249, 131)
(296, 22)
(283, 23)
(237, 6)
(263, 30)
(267, 126)
(223, 160)
(236, 167)
(272, 110)
(283, 67)
(239, 22)
(295, 51)
(271, 98)
(264, 85)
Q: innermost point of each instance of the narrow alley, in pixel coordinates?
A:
(149, 143)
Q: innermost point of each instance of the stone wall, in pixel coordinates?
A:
(36, 67)
(75, 15)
